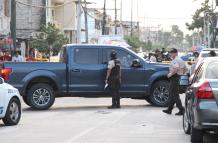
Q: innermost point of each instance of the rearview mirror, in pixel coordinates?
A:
(136, 63)
(2, 80)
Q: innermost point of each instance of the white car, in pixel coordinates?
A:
(10, 104)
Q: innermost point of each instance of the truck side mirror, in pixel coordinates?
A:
(2, 80)
(136, 63)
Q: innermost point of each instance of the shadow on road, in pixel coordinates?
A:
(88, 108)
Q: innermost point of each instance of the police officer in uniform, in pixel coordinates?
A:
(113, 79)
(177, 68)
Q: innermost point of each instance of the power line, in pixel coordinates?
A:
(36, 6)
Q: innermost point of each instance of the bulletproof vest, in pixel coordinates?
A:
(115, 71)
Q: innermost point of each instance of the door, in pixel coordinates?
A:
(2, 98)
(133, 79)
(85, 71)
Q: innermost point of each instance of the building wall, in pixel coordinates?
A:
(29, 19)
(4, 17)
(63, 16)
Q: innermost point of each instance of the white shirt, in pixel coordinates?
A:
(111, 64)
(153, 59)
(178, 64)
(18, 58)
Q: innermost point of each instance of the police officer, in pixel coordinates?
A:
(113, 79)
(177, 68)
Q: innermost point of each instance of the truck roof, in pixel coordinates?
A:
(94, 45)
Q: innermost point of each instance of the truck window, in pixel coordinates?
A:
(86, 56)
(63, 55)
(124, 57)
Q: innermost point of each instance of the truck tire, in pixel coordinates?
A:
(41, 96)
(13, 113)
(196, 135)
(25, 100)
(160, 94)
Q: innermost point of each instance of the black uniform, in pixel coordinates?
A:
(174, 93)
(114, 83)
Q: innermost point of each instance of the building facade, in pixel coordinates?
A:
(62, 13)
(5, 40)
(30, 17)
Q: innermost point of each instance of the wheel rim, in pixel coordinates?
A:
(185, 122)
(161, 94)
(41, 97)
(14, 111)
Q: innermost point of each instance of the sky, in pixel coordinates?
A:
(152, 13)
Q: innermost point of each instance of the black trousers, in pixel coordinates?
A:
(115, 93)
(174, 93)
(115, 97)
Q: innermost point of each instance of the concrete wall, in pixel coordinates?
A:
(4, 17)
(29, 19)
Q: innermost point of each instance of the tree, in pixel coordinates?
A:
(198, 19)
(51, 41)
(133, 41)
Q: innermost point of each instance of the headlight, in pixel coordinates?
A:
(11, 91)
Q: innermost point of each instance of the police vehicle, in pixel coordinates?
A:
(10, 104)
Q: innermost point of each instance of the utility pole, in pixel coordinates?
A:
(13, 22)
(208, 34)
(131, 17)
(78, 34)
(115, 17)
(104, 19)
(86, 23)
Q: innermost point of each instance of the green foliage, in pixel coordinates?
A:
(51, 41)
(133, 41)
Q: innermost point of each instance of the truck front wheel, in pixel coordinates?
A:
(41, 96)
(160, 94)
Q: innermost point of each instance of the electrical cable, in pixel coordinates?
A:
(22, 3)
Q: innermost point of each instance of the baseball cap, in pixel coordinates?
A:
(173, 50)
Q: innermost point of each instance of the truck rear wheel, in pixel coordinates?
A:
(41, 96)
(160, 94)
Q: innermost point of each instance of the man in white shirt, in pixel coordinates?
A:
(177, 68)
(17, 57)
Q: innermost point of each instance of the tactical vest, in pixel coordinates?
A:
(115, 73)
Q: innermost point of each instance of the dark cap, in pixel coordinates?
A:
(173, 50)
(113, 54)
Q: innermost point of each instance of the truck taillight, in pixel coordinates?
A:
(205, 91)
(5, 73)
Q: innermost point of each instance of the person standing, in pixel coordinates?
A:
(113, 79)
(17, 57)
(177, 68)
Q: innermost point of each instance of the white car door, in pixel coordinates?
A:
(2, 98)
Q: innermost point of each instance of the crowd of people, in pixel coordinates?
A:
(158, 56)
(6, 56)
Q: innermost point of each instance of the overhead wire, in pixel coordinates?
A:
(36, 6)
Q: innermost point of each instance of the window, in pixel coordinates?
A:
(124, 57)
(198, 74)
(63, 56)
(86, 56)
(212, 71)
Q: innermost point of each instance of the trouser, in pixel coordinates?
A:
(115, 97)
(174, 93)
(115, 92)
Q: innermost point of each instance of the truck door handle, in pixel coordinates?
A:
(75, 70)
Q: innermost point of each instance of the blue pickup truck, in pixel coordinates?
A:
(81, 72)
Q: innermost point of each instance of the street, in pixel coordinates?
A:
(87, 120)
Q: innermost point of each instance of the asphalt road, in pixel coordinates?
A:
(87, 120)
